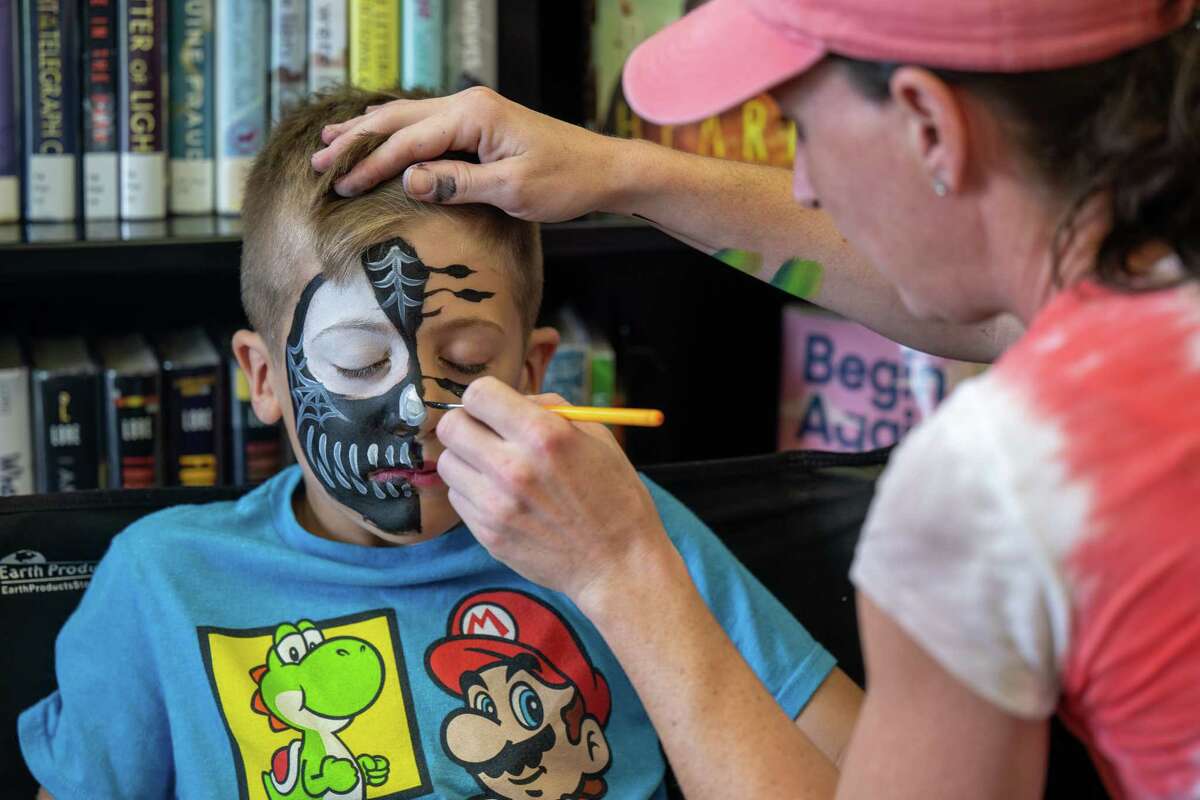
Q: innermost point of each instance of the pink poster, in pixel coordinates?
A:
(848, 389)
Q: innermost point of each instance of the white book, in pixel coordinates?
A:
(241, 69)
(327, 44)
(100, 177)
(289, 55)
(471, 49)
(143, 185)
(10, 198)
(51, 188)
(16, 437)
(190, 167)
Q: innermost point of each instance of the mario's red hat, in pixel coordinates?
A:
(500, 624)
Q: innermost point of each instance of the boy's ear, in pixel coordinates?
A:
(255, 360)
(542, 344)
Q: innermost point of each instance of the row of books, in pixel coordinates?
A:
(126, 413)
(134, 109)
(122, 413)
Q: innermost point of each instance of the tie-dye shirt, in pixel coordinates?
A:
(1040, 535)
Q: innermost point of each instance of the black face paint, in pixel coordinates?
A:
(347, 441)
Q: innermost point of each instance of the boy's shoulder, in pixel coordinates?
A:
(166, 529)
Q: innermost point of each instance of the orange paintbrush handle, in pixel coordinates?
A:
(632, 417)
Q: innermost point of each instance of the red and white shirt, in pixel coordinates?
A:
(1040, 535)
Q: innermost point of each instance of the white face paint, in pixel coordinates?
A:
(351, 345)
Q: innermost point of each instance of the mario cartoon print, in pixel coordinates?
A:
(533, 709)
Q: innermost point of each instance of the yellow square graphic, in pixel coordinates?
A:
(385, 728)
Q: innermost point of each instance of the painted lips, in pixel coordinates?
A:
(420, 478)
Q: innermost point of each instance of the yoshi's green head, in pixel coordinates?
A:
(313, 683)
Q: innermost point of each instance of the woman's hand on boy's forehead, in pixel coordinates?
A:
(532, 166)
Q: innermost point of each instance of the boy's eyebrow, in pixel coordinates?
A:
(458, 323)
(369, 325)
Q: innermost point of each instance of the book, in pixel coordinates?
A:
(130, 408)
(754, 132)
(190, 107)
(289, 55)
(255, 448)
(241, 95)
(16, 444)
(52, 106)
(471, 50)
(328, 53)
(100, 145)
(422, 65)
(143, 101)
(191, 374)
(10, 141)
(66, 419)
(845, 388)
(375, 44)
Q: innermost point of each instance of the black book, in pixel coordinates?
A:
(100, 182)
(66, 419)
(191, 369)
(51, 97)
(132, 421)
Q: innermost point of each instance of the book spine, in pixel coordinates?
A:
(143, 159)
(375, 44)
(132, 428)
(289, 55)
(66, 432)
(50, 31)
(10, 142)
(191, 130)
(100, 144)
(471, 54)
(190, 420)
(256, 449)
(327, 44)
(241, 42)
(421, 50)
(16, 446)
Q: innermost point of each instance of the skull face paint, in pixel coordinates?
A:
(356, 383)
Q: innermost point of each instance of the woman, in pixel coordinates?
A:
(1033, 546)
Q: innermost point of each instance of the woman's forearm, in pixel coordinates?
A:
(723, 733)
(716, 206)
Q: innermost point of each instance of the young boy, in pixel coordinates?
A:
(338, 633)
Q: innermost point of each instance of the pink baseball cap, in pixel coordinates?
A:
(728, 51)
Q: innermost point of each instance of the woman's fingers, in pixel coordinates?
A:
(386, 118)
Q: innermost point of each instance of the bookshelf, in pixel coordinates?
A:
(690, 333)
(48, 252)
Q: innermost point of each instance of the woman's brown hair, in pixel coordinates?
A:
(1128, 127)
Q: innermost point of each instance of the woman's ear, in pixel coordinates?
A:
(255, 360)
(542, 344)
(935, 126)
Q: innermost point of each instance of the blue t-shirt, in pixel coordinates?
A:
(222, 651)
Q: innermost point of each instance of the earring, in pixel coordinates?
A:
(940, 188)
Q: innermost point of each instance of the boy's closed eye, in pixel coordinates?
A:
(464, 369)
(368, 371)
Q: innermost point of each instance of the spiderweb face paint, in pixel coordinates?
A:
(363, 448)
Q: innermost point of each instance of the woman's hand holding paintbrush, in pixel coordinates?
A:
(631, 417)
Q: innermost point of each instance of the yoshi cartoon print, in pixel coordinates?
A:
(318, 710)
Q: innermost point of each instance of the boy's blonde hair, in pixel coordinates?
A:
(291, 213)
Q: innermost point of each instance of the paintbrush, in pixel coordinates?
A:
(631, 417)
